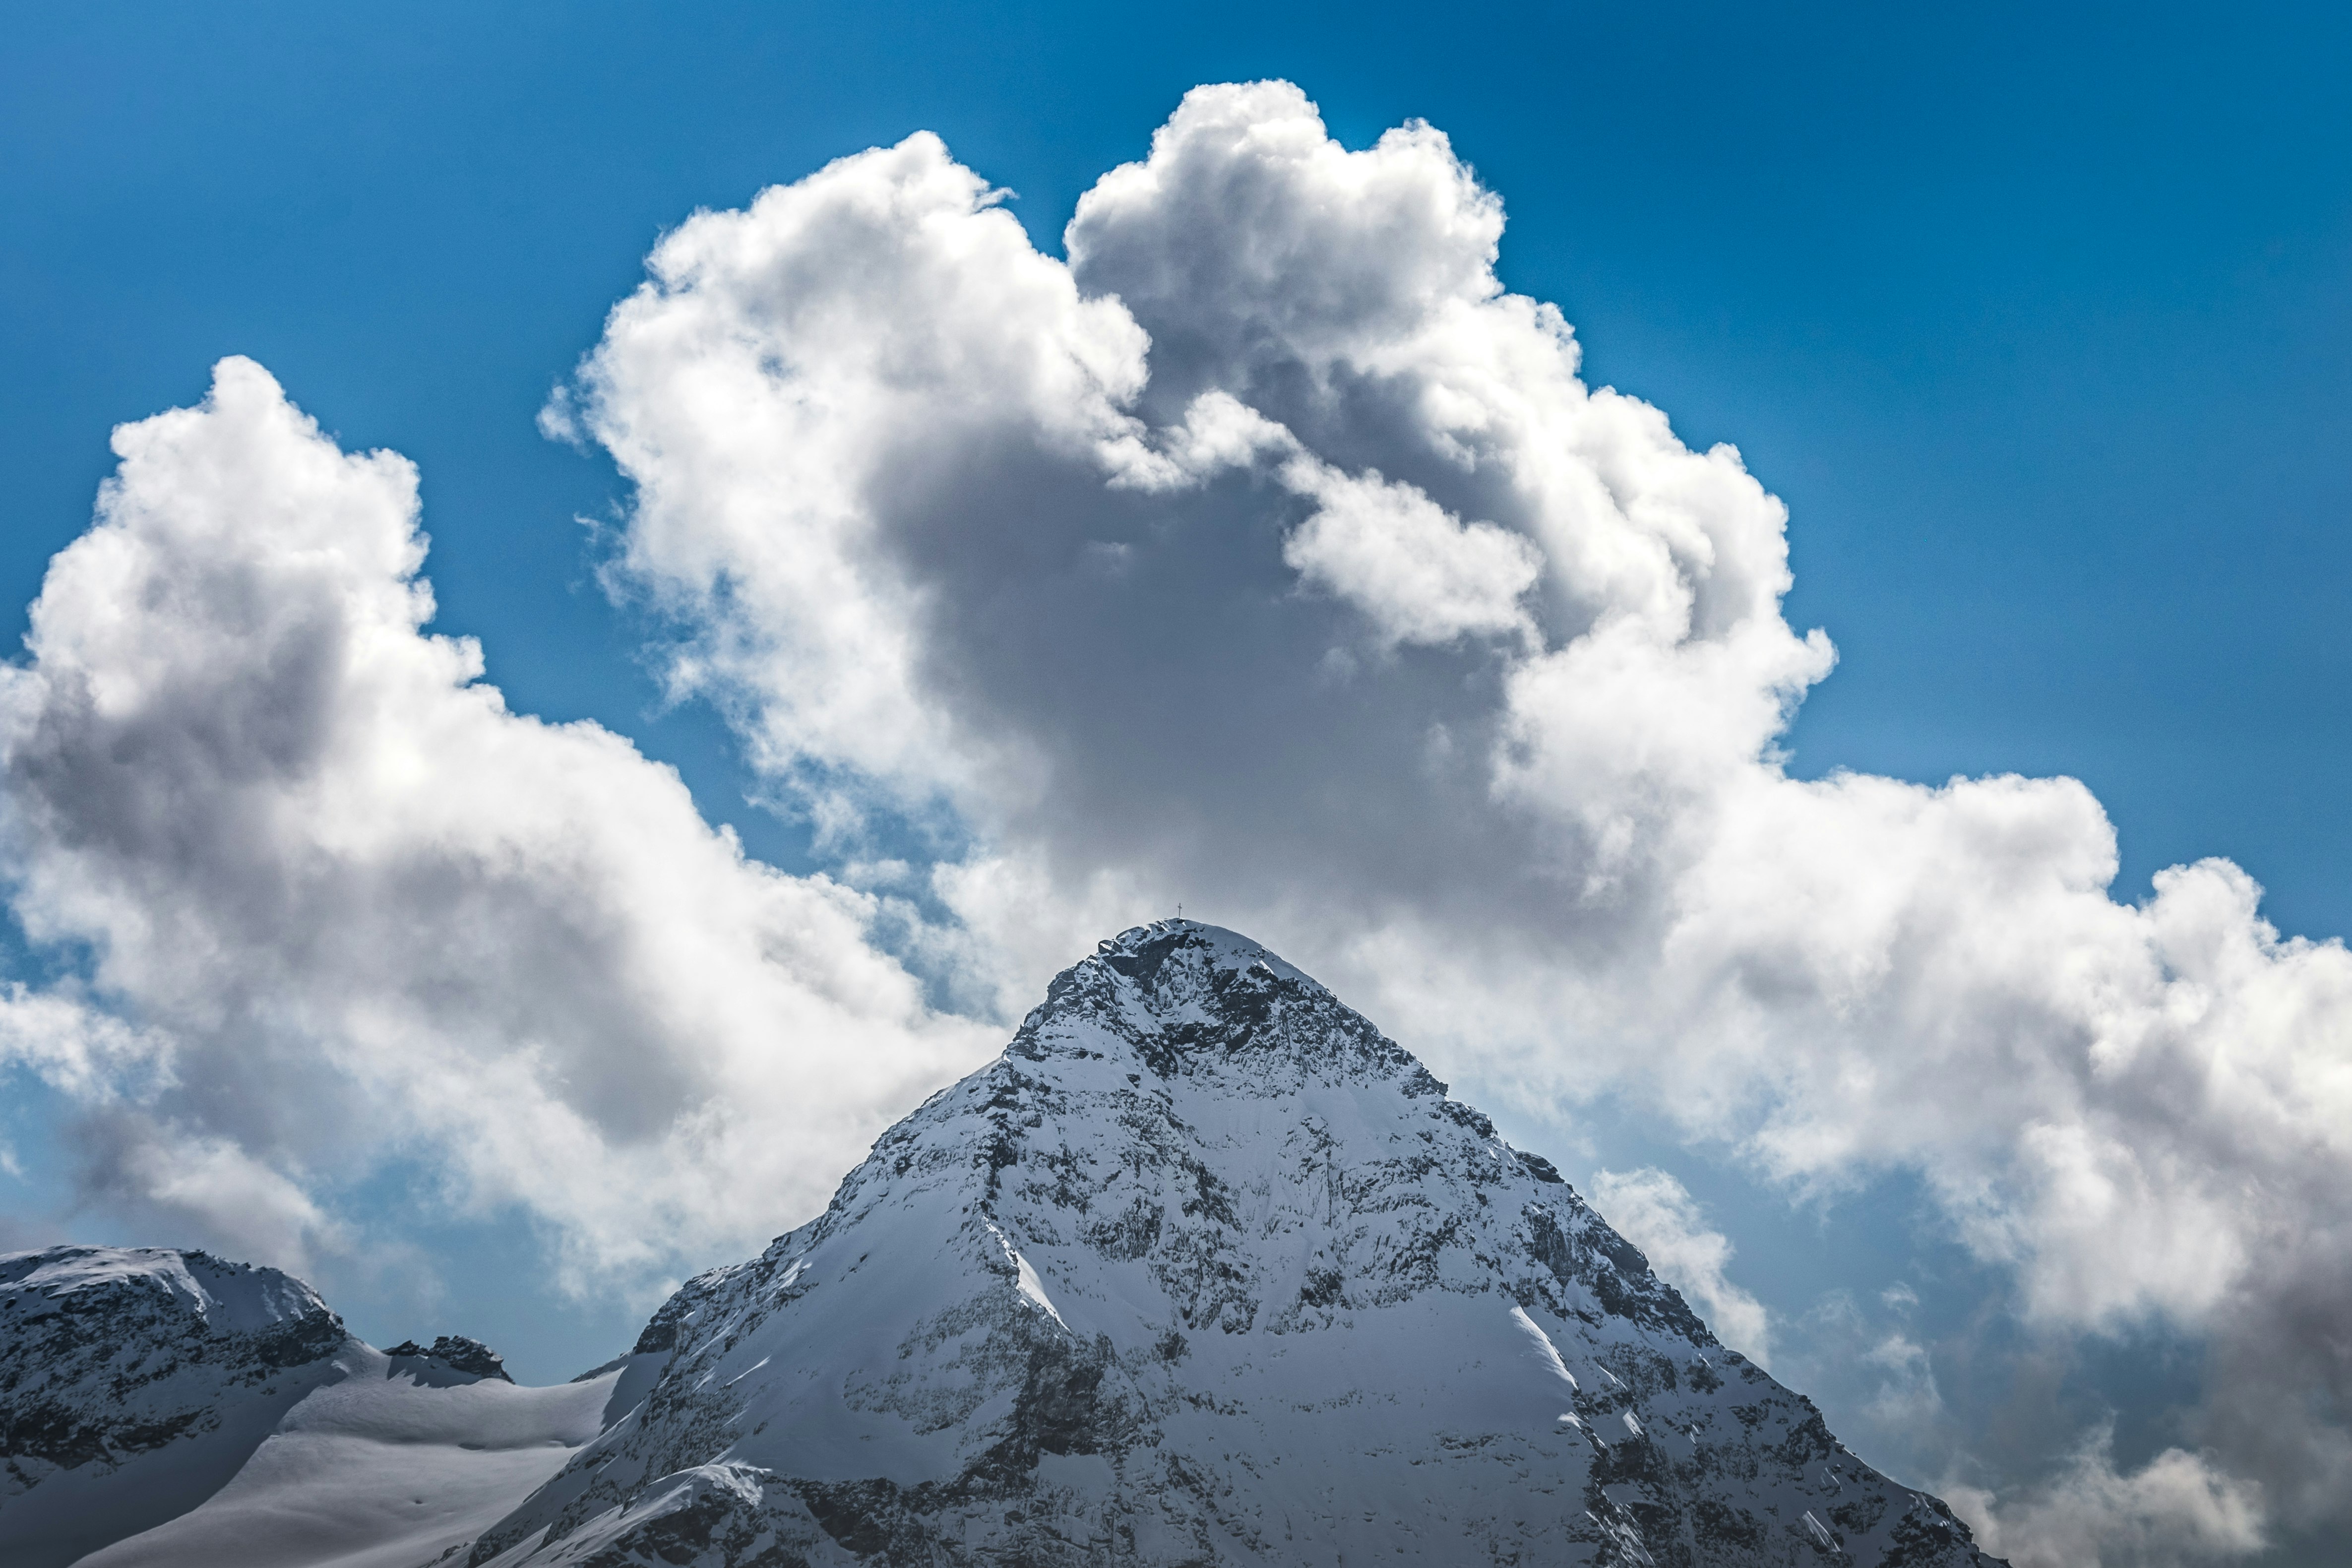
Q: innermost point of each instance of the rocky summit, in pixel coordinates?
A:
(1203, 1270)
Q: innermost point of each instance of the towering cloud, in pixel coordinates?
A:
(1268, 553)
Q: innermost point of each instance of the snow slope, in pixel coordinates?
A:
(393, 1465)
(1204, 1270)
(164, 1408)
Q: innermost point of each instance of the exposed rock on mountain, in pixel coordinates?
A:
(1204, 1270)
(455, 1352)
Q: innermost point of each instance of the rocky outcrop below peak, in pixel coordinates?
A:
(456, 1353)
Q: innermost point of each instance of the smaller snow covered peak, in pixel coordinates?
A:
(133, 1381)
(225, 1297)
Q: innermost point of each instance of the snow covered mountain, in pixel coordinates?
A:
(1203, 1270)
(134, 1383)
(161, 1408)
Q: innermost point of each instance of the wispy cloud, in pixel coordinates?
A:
(1657, 1214)
(2175, 1512)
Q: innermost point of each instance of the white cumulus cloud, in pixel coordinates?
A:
(1078, 559)
(374, 913)
(1419, 575)
(86, 1051)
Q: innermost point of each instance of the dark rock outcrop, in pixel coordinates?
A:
(456, 1353)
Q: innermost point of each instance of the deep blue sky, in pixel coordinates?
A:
(2042, 325)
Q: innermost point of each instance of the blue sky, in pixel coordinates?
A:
(2041, 325)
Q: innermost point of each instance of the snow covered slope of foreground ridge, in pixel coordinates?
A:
(1203, 1270)
(166, 1409)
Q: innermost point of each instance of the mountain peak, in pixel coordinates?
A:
(1140, 951)
(1181, 999)
(1204, 1270)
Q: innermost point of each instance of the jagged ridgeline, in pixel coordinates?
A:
(1204, 1270)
